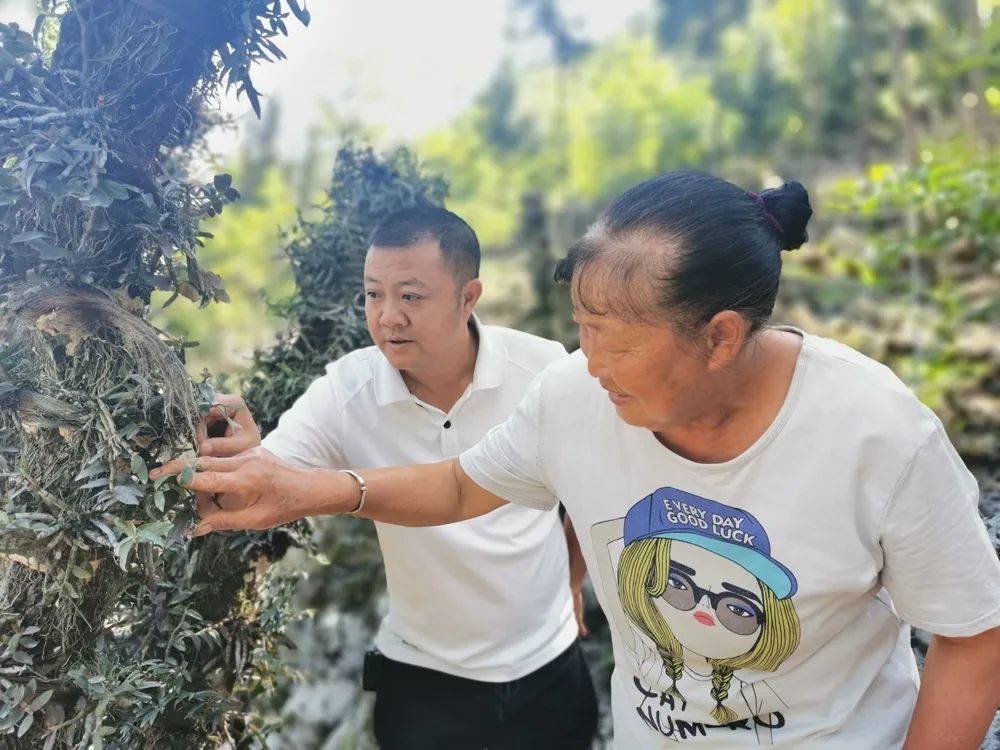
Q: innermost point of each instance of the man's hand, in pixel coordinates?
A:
(241, 432)
(252, 490)
(578, 610)
(577, 572)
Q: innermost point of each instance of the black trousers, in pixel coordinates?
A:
(553, 708)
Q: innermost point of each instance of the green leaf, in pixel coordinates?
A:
(117, 190)
(139, 468)
(126, 494)
(25, 725)
(159, 500)
(122, 551)
(23, 658)
(90, 470)
(186, 476)
(107, 531)
(188, 290)
(254, 98)
(154, 533)
(300, 13)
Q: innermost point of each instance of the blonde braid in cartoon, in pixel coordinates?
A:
(721, 677)
(643, 571)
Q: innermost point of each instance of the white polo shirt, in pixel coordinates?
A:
(486, 599)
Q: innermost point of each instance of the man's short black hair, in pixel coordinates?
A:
(410, 226)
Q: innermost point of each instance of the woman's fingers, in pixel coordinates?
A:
(223, 521)
(243, 518)
(171, 468)
(201, 466)
(227, 446)
(241, 431)
(228, 490)
(210, 502)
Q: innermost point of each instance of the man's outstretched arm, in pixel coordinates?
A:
(257, 490)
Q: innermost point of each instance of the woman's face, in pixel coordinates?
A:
(713, 606)
(653, 377)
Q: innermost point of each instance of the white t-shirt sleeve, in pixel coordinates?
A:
(309, 434)
(507, 461)
(940, 567)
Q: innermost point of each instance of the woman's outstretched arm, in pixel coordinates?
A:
(257, 490)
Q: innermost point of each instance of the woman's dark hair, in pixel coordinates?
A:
(701, 245)
(410, 226)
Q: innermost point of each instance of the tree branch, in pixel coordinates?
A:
(28, 106)
(12, 122)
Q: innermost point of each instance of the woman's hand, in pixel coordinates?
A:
(251, 490)
(240, 433)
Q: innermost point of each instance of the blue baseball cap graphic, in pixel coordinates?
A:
(727, 531)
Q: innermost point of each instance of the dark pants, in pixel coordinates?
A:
(553, 708)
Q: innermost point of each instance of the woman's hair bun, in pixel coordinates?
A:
(789, 206)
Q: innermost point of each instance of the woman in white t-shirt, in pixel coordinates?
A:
(763, 512)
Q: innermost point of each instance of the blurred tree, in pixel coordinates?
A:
(698, 24)
(941, 218)
(244, 248)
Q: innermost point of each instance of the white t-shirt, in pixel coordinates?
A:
(762, 601)
(486, 599)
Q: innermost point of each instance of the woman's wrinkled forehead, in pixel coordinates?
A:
(620, 280)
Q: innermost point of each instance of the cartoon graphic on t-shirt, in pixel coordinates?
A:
(697, 583)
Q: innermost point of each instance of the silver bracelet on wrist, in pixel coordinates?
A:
(364, 491)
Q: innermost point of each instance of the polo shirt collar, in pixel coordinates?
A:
(490, 369)
(491, 359)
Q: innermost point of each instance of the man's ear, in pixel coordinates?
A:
(471, 293)
(724, 338)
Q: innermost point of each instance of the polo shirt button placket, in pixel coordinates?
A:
(449, 438)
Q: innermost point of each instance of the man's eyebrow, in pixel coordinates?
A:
(741, 592)
(411, 282)
(405, 282)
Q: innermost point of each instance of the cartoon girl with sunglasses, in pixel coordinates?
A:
(697, 579)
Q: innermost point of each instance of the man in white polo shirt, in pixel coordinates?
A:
(487, 656)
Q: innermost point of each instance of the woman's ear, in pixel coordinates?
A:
(725, 336)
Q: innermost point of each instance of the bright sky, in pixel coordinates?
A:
(402, 66)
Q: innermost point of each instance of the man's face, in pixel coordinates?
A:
(415, 310)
